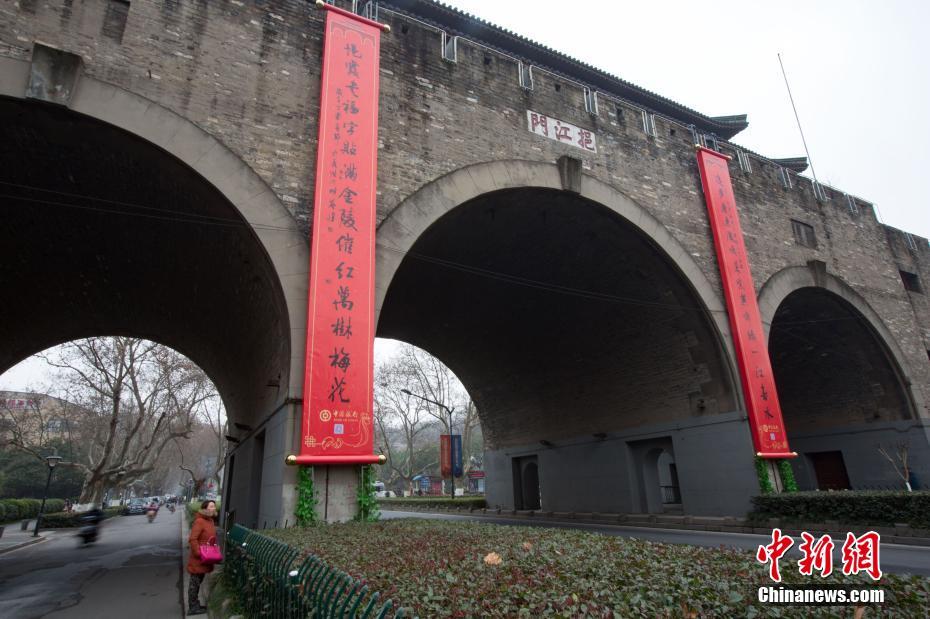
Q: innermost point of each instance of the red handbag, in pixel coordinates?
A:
(210, 552)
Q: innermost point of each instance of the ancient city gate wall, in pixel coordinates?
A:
(247, 74)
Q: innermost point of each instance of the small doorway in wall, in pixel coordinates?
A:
(830, 470)
(526, 483)
(656, 476)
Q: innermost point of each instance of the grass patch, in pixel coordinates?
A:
(440, 569)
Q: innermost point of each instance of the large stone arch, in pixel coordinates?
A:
(398, 232)
(843, 382)
(791, 279)
(504, 249)
(274, 228)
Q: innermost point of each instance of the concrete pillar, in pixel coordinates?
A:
(336, 488)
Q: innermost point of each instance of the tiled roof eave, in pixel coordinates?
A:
(459, 23)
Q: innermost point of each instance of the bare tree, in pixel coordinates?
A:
(899, 461)
(136, 395)
(203, 455)
(471, 434)
(405, 423)
(400, 420)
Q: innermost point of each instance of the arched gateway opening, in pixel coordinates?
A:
(841, 391)
(105, 232)
(577, 337)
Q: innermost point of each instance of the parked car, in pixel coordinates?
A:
(135, 506)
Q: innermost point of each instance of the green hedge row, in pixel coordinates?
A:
(67, 520)
(20, 509)
(853, 507)
(433, 502)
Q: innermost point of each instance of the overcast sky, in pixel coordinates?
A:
(858, 71)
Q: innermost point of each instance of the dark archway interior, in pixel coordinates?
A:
(559, 318)
(831, 369)
(106, 234)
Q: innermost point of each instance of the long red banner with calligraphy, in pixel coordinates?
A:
(765, 419)
(337, 402)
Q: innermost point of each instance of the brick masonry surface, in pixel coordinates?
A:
(248, 74)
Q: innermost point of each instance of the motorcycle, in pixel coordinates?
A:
(151, 515)
(171, 507)
(88, 533)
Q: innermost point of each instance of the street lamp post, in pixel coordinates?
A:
(448, 410)
(51, 461)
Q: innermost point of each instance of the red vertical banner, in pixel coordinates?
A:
(768, 429)
(445, 455)
(337, 402)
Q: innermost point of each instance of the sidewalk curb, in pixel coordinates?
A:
(23, 545)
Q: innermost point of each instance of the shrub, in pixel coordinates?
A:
(67, 520)
(853, 507)
(28, 508)
(16, 509)
(20, 509)
(463, 569)
(11, 509)
(54, 505)
(433, 502)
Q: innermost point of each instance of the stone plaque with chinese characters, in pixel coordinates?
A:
(560, 131)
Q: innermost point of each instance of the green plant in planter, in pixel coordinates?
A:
(306, 497)
(368, 510)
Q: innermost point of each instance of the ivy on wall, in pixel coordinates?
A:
(306, 497)
(787, 476)
(789, 484)
(765, 484)
(368, 510)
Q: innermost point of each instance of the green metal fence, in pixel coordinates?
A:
(270, 579)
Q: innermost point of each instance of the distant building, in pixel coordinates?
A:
(37, 416)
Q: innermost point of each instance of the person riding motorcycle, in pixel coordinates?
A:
(152, 511)
(92, 520)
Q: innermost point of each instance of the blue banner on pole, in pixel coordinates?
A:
(457, 455)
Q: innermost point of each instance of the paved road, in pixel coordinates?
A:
(131, 572)
(895, 558)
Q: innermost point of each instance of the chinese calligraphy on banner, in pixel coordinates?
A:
(337, 403)
(560, 131)
(765, 419)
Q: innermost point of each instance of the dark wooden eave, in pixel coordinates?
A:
(795, 164)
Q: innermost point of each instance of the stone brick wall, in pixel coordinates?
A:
(248, 72)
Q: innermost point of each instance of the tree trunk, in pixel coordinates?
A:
(92, 493)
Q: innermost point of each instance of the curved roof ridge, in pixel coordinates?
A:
(464, 24)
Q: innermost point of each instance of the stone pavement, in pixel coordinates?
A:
(15, 538)
(132, 570)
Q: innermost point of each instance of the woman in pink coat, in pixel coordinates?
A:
(203, 529)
